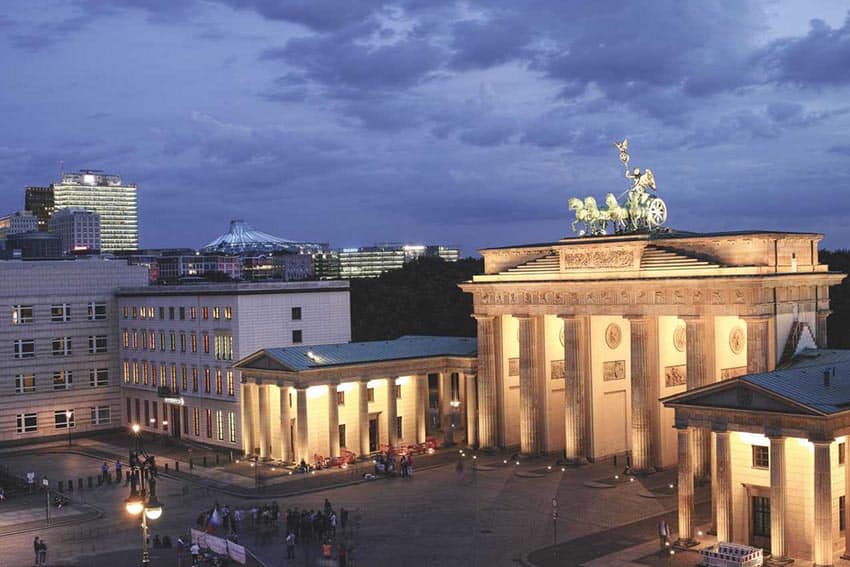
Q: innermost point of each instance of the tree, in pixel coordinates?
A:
(421, 298)
(838, 332)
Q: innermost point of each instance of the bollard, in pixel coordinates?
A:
(177, 466)
(205, 460)
(127, 477)
(191, 464)
(166, 467)
(230, 456)
(216, 458)
(80, 483)
(61, 484)
(615, 460)
(70, 486)
(91, 482)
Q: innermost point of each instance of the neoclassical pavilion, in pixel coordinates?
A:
(317, 400)
(578, 339)
(780, 456)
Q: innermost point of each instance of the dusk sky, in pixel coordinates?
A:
(470, 123)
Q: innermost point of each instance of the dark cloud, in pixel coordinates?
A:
(483, 44)
(319, 15)
(821, 57)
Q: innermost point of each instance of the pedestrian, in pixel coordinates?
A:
(195, 550)
(104, 471)
(290, 545)
(663, 535)
(42, 553)
(117, 470)
(31, 481)
(343, 517)
(36, 548)
(2, 494)
(342, 557)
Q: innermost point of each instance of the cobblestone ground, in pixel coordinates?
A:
(491, 516)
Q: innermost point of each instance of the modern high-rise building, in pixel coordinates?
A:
(79, 230)
(179, 344)
(372, 261)
(60, 363)
(109, 197)
(17, 223)
(39, 201)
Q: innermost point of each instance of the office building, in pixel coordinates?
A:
(191, 267)
(109, 197)
(79, 230)
(17, 223)
(33, 246)
(39, 201)
(372, 261)
(59, 346)
(179, 344)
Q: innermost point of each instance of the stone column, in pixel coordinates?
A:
(758, 348)
(822, 533)
(847, 498)
(274, 422)
(421, 406)
(777, 497)
(285, 424)
(487, 418)
(576, 367)
(821, 330)
(250, 419)
(724, 486)
(471, 410)
(333, 422)
(530, 409)
(644, 374)
(363, 417)
(700, 371)
(303, 449)
(392, 413)
(446, 410)
(686, 486)
(263, 412)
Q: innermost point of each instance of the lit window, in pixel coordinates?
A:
(207, 380)
(62, 420)
(196, 421)
(184, 378)
(230, 390)
(228, 312)
(219, 385)
(224, 347)
(205, 313)
(209, 423)
(25, 383)
(60, 312)
(193, 313)
(231, 426)
(21, 314)
(62, 346)
(340, 398)
(193, 342)
(96, 311)
(172, 341)
(216, 313)
(126, 371)
(761, 457)
(206, 343)
(194, 379)
(125, 338)
(182, 342)
(219, 422)
(62, 380)
(370, 394)
(125, 312)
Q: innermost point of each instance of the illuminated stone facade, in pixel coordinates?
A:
(578, 339)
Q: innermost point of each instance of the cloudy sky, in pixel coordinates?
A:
(359, 121)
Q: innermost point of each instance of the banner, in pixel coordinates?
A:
(220, 546)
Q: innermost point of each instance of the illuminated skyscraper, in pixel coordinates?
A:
(114, 201)
(39, 201)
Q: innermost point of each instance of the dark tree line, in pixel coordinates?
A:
(838, 331)
(422, 298)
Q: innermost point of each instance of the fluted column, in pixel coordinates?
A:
(285, 424)
(471, 410)
(778, 547)
(758, 348)
(333, 422)
(821, 330)
(446, 410)
(303, 449)
(822, 533)
(250, 419)
(576, 367)
(275, 431)
(723, 486)
(700, 354)
(263, 411)
(686, 485)
(644, 373)
(487, 418)
(392, 413)
(421, 406)
(363, 417)
(530, 410)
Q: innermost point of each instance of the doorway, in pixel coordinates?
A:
(174, 423)
(760, 521)
(373, 434)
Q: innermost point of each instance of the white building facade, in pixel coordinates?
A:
(60, 353)
(179, 343)
(79, 230)
(17, 223)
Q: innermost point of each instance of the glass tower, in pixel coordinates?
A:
(114, 201)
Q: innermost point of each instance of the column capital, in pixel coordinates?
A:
(522, 316)
(482, 317)
(825, 313)
(693, 318)
(759, 318)
(720, 427)
(821, 442)
(568, 316)
(774, 433)
(637, 317)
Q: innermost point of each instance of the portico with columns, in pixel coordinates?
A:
(780, 457)
(578, 339)
(358, 397)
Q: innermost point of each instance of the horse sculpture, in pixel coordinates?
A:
(587, 213)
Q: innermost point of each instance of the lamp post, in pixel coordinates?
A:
(68, 415)
(142, 500)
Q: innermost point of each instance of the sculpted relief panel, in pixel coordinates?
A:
(558, 372)
(618, 296)
(614, 370)
(597, 259)
(675, 375)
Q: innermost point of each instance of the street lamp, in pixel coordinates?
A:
(68, 415)
(142, 500)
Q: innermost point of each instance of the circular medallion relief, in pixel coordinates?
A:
(679, 338)
(561, 335)
(613, 335)
(736, 340)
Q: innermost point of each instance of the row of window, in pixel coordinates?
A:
(165, 376)
(218, 424)
(133, 339)
(61, 380)
(63, 419)
(761, 456)
(60, 346)
(59, 313)
(151, 312)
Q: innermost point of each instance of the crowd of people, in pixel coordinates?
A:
(318, 527)
(385, 464)
(229, 523)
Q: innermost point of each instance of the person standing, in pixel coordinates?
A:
(36, 547)
(290, 545)
(31, 481)
(195, 550)
(117, 470)
(104, 471)
(42, 553)
(663, 535)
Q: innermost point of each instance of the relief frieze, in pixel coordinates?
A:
(558, 372)
(728, 373)
(675, 375)
(513, 367)
(613, 296)
(614, 370)
(597, 259)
